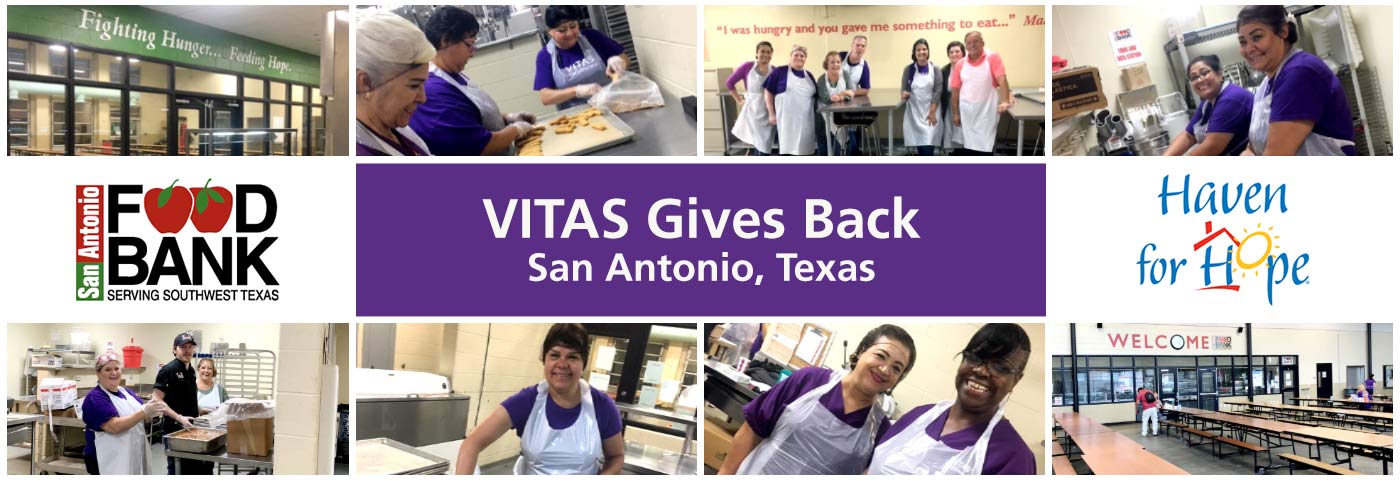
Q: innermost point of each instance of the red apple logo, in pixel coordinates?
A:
(210, 217)
(168, 209)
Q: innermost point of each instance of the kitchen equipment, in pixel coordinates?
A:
(383, 456)
(131, 355)
(583, 140)
(415, 408)
(196, 440)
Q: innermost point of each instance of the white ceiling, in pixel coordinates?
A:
(294, 26)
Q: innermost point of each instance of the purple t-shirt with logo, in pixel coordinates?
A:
(544, 73)
(98, 409)
(1230, 114)
(518, 406)
(1305, 89)
(762, 413)
(449, 122)
(1007, 453)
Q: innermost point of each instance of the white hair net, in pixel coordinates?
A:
(387, 45)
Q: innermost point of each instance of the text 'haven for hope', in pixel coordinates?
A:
(673, 219)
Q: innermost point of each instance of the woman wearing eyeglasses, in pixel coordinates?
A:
(459, 118)
(823, 422)
(1221, 125)
(966, 436)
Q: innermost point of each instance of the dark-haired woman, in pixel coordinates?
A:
(1300, 109)
(576, 63)
(921, 85)
(821, 422)
(967, 435)
(1221, 125)
(566, 427)
(752, 123)
(459, 118)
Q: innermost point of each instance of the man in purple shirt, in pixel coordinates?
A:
(570, 68)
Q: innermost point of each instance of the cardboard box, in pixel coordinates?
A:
(717, 441)
(250, 437)
(1136, 77)
(1076, 90)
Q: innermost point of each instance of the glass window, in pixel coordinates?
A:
(1100, 386)
(1241, 380)
(318, 131)
(1083, 390)
(1257, 381)
(1059, 387)
(97, 66)
(600, 347)
(95, 130)
(255, 116)
(1271, 360)
(1098, 362)
(1222, 381)
(254, 88)
(278, 90)
(1123, 386)
(191, 80)
(672, 351)
(1207, 361)
(148, 123)
(1145, 361)
(298, 93)
(35, 118)
(298, 122)
(58, 60)
(1168, 377)
(1186, 382)
(1176, 361)
(316, 96)
(1288, 379)
(1147, 378)
(277, 118)
(149, 74)
(36, 58)
(1122, 361)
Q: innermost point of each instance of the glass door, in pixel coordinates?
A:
(1209, 397)
(1168, 390)
(1187, 393)
(196, 116)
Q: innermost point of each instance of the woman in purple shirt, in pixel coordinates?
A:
(751, 125)
(966, 436)
(1221, 125)
(1300, 109)
(570, 68)
(459, 118)
(391, 66)
(565, 426)
(820, 422)
(115, 418)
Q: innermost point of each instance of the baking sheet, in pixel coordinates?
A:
(381, 456)
(584, 140)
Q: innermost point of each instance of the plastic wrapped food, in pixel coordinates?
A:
(629, 92)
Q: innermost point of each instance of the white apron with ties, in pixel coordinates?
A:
(122, 453)
(810, 440)
(367, 137)
(977, 104)
(918, 131)
(490, 113)
(752, 124)
(913, 452)
(591, 69)
(576, 450)
(795, 109)
(1314, 144)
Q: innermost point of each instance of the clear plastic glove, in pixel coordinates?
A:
(520, 116)
(616, 65)
(523, 127)
(153, 408)
(587, 90)
(184, 421)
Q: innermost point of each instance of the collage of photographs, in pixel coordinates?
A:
(348, 314)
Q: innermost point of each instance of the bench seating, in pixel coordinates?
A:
(1324, 467)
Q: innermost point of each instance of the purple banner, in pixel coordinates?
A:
(428, 245)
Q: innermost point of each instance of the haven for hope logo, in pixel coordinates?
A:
(116, 260)
(1226, 253)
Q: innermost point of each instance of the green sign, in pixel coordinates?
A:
(148, 33)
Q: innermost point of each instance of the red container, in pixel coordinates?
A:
(131, 356)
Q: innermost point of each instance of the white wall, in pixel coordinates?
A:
(664, 37)
(506, 71)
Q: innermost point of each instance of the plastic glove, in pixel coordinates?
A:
(153, 408)
(520, 116)
(616, 65)
(523, 127)
(184, 421)
(587, 90)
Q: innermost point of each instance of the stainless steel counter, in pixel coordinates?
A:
(665, 131)
(687, 420)
(416, 421)
(222, 457)
(649, 460)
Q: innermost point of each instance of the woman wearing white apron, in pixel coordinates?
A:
(1220, 125)
(571, 67)
(947, 136)
(565, 426)
(1301, 108)
(391, 66)
(922, 85)
(752, 123)
(459, 118)
(966, 436)
(790, 94)
(209, 394)
(820, 422)
(834, 86)
(977, 81)
(115, 419)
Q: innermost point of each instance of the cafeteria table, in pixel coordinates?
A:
(878, 100)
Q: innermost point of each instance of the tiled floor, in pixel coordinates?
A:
(1198, 460)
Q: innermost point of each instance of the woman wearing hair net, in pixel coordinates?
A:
(391, 66)
(966, 435)
(460, 118)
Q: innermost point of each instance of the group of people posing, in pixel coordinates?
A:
(954, 110)
(414, 98)
(1299, 109)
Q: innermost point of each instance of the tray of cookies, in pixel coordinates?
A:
(575, 131)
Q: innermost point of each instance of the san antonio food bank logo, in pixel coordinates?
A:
(212, 261)
(1227, 255)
